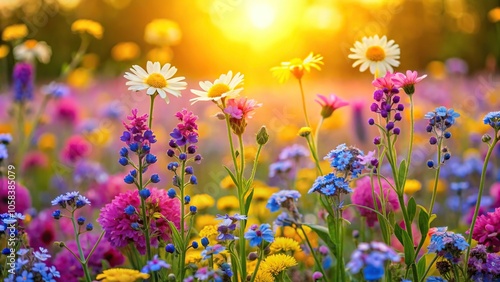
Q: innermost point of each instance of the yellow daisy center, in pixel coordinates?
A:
(156, 80)
(217, 90)
(375, 53)
(30, 44)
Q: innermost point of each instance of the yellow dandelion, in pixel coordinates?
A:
(258, 209)
(209, 231)
(83, 26)
(193, 256)
(121, 275)
(79, 78)
(297, 67)
(202, 201)
(277, 263)
(441, 186)
(4, 51)
(162, 32)
(90, 61)
(47, 142)
(14, 32)
(227, 183)
(125, 51)
(201, 220)
(412, 186)
(284, 245)
(263, 276)
(262, 193)
(375, 53)
(304, 131)
(227, 203)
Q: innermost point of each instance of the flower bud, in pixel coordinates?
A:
(305, 131)
(262, 136)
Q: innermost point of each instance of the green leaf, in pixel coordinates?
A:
(402, 172)
(408, 248)
(423, 222)
(232, 175)
(248, 201)
(398, 231)
(384, 228)
(421, 267)
(324, 234)
(175, 233)
(412, 208)
(332, 229)
(423, 208)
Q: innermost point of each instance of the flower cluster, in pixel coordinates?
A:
(290, 160)
(122, 219)
(483, 266)
(23, 82)
(493, 120)
(371, 258)
(155, 264)
(207, 274)
(32, 265)
(185, 133)
(486, 230)
(330, 185)
(137, 134)
(387, 104)
(71, 200)
(440, 121)
(346, 161)
(447, 244)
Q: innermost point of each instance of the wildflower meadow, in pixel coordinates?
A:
(249, 140)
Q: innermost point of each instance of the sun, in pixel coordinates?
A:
(261, 14)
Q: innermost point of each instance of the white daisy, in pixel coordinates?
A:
(225, 86)
(32, 49)
(377, 53)
(156, 79)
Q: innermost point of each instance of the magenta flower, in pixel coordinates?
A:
(330, 104)
(239, 110)
(362, 196)
(385, 82)
(22, 193)
(408, 81)
(75, 149)
(122, 228)
(66, 111)
(186, 130)
(137, 131)
(486, 230)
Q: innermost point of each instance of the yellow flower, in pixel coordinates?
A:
(209, 231)
(202, 220)
(305, 131)
(79, 78)
(4, 51)
(99, 136)
(227, 203)
(47, 142)
(441, 186)
(125, 51)
(375, 53)
(264, 276)
(259, 210)
(412, 186)
(193, 256)
(227, 183)
(262, 193)
(494, 14)
(121, 275)
(162, 32)
(436, 69)
(285, 245)
(87, 26)
(277, 263)
(202, 201)
(14, 32)
(90, 61)
(162, 55)
(297, 67)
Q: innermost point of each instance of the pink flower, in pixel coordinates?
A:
(71, 270)
(408, 81)
(76, 148)
(34, 160)
(67, 111)
(118, 225)
(100, 194)
(486, 231)
(330, 104)
(22, 194)
(43, 230)
(385, 82)
(362, 196)
(241, 108)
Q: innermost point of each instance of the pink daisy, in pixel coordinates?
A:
(408, 81)
(241, 108)
(385, 82)
(329, 104)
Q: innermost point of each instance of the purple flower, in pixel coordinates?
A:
(282, 199)
(256, 234)
(154, 264)
(23, 82)
(186, 131)
(371, 257)
(137, 130)
(212, 250)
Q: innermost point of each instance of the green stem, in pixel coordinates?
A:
(95, 246)
(145, 219)
(410, 146)
(304, 108)
(480, 194)
(261, 256)
(436, 176)
(243, 211)
(428, 269)
(316, 260)
(78, 56)
(255, 163)
(315, 156)
(83, 262)
(20, 126)
(316, 134)
(150, 123)
(183, 249)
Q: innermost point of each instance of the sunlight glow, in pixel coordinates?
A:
(261, 14)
